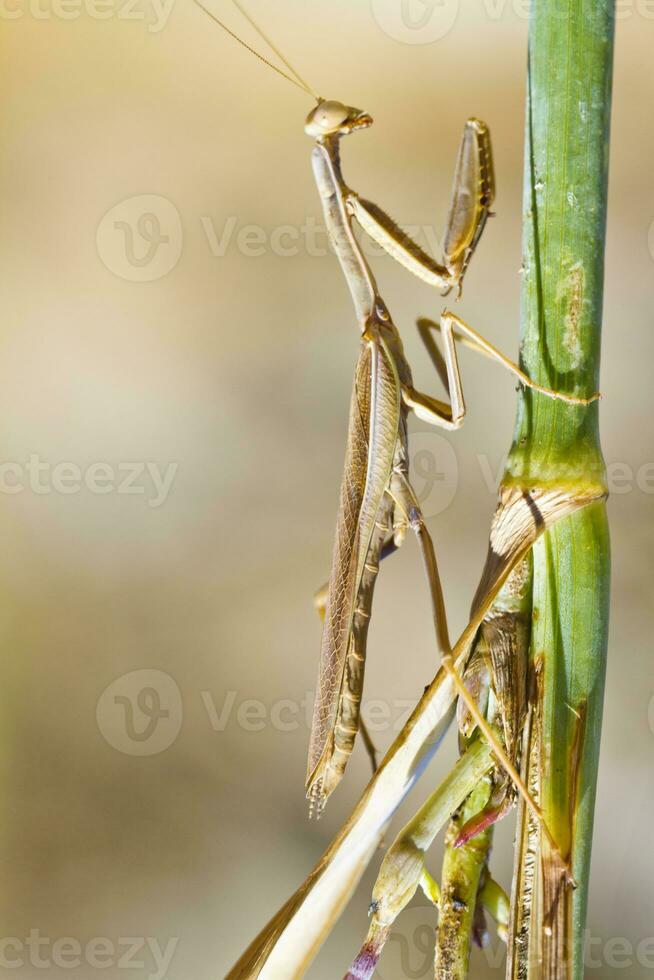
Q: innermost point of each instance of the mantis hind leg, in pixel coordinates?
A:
(406, 499)
(405, 496)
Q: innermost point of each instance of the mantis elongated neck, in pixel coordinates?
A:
(333, 194)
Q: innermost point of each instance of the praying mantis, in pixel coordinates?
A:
(377, 502)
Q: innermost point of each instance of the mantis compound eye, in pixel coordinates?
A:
(330, 117)
(326, 118)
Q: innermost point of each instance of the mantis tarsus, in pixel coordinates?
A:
(377, 502)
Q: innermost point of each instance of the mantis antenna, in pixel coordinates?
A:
(295, 78)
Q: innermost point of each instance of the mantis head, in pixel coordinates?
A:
(335, 119)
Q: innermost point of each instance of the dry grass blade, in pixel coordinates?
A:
(286, 946)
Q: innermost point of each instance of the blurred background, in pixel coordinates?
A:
(175, 368)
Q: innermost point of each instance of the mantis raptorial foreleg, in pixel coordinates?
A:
(473, 192)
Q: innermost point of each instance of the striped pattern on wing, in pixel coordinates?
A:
(372, 436)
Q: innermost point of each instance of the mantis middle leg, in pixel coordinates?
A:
(454, 328)
(450, 416)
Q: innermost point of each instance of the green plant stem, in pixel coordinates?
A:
(555, 444)
(460, 879)
(403, 869)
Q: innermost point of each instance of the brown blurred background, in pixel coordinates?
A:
(173, 396)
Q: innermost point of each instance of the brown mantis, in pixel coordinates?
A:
(377, 502)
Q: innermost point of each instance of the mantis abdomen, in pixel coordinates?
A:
(376, 442)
